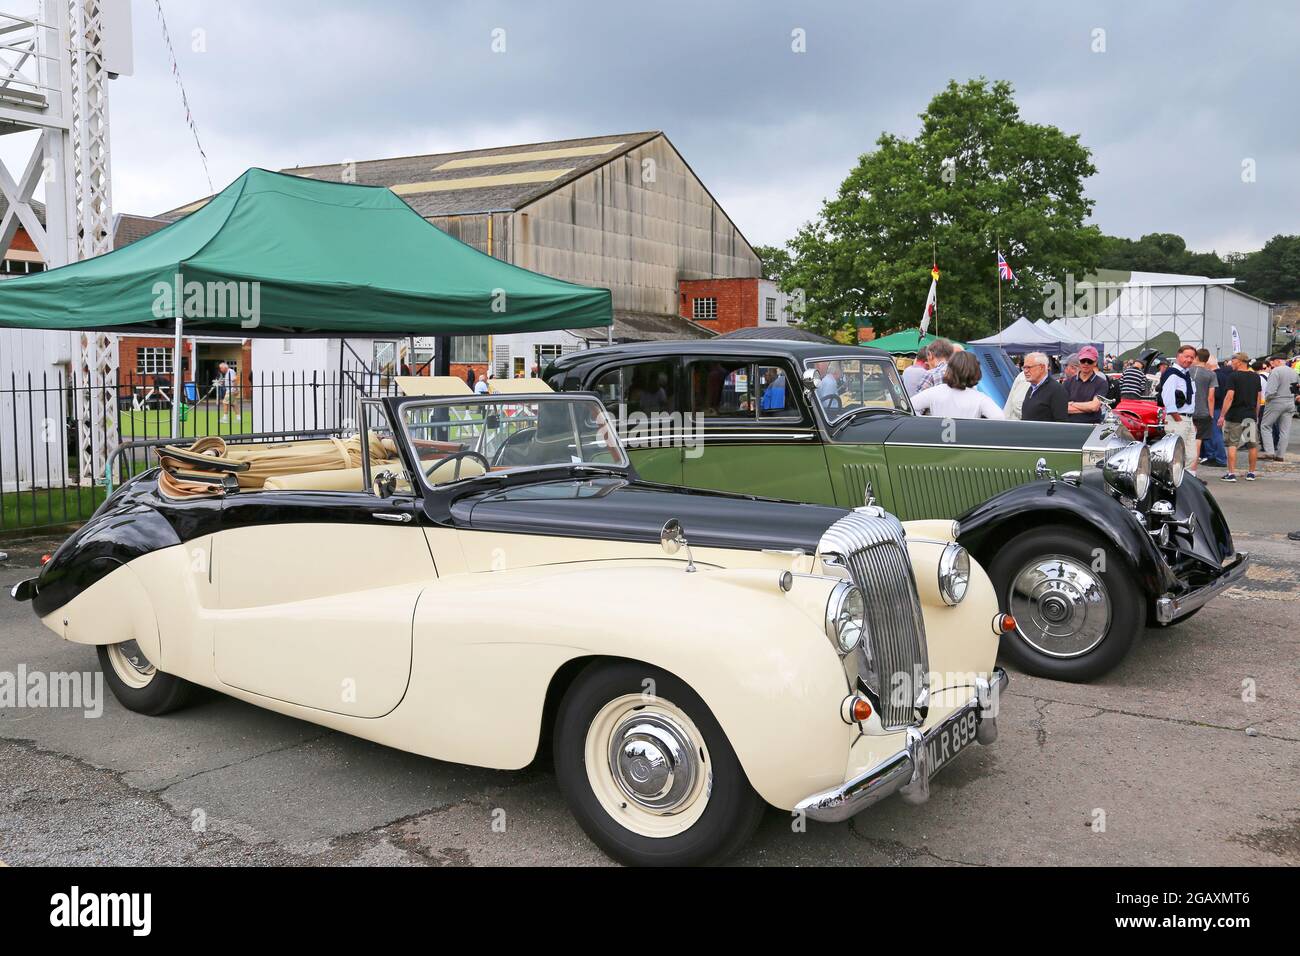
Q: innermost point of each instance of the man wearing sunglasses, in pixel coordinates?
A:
(1086, 390)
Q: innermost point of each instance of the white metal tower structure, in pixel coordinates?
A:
(54, 72)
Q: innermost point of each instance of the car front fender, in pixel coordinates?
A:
(988, 526)
(486, 647)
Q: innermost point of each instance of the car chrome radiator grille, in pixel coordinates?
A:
(871, 546)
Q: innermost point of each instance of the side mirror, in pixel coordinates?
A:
(672, 538)
(811, 379)
(385, 484)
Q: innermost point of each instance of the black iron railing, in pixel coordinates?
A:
(60, 435)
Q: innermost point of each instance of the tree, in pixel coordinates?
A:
(776, 262)
(975, 176)
(1273, 273)
(1162, 252)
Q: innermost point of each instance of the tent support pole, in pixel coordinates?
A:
(178, 380)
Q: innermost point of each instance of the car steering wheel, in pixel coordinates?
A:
(457, 457)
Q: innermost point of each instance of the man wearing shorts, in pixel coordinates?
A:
(1240, 427)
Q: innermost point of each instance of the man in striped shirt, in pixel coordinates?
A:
(1133, 383)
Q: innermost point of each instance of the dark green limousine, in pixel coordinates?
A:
(1087, 535)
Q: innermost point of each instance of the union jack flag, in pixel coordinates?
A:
(1004, 270)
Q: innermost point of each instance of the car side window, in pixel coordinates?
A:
(644, 387)
(722, 388)
(775, 393)
(741, 389)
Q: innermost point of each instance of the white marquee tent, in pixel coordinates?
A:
(1200, 311)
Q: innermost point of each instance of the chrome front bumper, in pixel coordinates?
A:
(908, 771)
(1170, 608)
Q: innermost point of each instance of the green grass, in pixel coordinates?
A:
(157, 423)
(28, 510)
(22, 510)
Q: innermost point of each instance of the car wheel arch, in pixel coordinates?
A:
(986, 530)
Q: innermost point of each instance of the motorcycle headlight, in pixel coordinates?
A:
(845, 617)
(1169, 460)
(1128, 470)
(954, 574)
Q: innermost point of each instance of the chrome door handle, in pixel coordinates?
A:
(393, 516)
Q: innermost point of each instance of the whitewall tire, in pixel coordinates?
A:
(137, 684)
(647, 771)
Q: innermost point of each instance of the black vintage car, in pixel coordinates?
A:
(1086, 534)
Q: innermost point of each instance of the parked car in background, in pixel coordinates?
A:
(1087, 536)
(1141, 416)
(488, 573)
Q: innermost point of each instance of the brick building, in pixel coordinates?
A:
(727, 304)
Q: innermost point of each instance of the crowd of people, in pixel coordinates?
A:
(1219, 411)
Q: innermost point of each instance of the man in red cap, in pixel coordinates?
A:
(1086, 390)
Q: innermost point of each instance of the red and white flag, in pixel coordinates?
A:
(929, 306)
(931, 301)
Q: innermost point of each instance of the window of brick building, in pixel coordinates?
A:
(153, 361)
(770, 311)
(469, 349)
(705, 308)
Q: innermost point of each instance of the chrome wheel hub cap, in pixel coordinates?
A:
(130, 664)
(1061, 606)
(651, 759)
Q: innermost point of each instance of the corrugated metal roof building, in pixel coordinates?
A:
(623, 212)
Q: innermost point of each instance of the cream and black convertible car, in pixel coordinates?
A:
(490, 576)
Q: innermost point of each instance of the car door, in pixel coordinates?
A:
(752, 432)
(940, 468)
(315, 595)
(644, 399)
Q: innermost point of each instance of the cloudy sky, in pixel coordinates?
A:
(1182, 95)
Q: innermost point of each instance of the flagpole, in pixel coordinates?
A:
(934, 264)
(997, 268)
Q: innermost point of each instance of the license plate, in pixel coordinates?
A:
(951, 739)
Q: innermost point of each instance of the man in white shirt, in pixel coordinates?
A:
(829, 386)
(481, 386)
(1178, 396)
(225, 390)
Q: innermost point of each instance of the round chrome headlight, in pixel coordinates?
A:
(1169, 460)
(845, 617)
(1128, 470)
(954, 574)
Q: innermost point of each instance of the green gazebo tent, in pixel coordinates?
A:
(275, 254)
(310, 258)
(902, 343)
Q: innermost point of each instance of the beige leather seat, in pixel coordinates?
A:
(336, 479)
(469, 468)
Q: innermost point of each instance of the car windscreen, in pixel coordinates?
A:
(454, 440)
(846, 385)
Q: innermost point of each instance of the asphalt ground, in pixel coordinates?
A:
(1186, 754)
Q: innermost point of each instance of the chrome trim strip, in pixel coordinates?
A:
(921, 444)
(907, 770)
(1170, 608)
